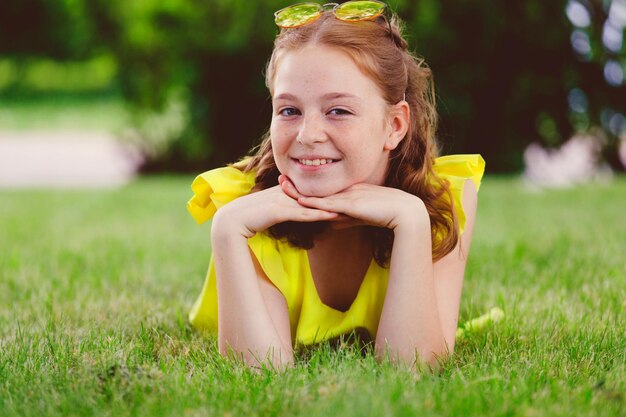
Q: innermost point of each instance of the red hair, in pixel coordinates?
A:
(384, 58)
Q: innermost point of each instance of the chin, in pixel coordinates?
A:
(316, 190)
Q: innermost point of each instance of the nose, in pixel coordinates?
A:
(311, 130)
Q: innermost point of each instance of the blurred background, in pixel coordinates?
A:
(118, 86)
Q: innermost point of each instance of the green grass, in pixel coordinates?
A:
(95, 287)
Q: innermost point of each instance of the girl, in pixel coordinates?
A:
(344, 219)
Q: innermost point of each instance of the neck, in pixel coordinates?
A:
(352, 237)
(356, 232)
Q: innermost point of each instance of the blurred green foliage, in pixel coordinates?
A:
(192, 69)
(55, 28)
(44, 75)
(198, 66)
(51, 47)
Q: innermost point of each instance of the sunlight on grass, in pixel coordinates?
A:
(95, 287)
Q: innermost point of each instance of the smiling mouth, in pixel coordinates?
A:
(320, 161)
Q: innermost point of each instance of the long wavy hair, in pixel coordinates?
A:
(383, 57)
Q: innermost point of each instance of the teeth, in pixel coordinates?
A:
(315, 161)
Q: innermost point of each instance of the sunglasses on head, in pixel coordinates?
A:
(351, 11)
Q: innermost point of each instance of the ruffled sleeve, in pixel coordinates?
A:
(457, 169)
(212, 190)
(215, 188)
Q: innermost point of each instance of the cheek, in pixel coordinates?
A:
(279, 151)
(280, 136)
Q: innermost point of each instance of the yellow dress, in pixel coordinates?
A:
(288, 268)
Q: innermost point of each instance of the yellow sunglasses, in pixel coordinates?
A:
(351, 11)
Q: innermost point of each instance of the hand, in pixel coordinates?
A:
(259, 211)
(342, 221)
(364, 204)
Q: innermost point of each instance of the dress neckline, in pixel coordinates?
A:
(318, 299)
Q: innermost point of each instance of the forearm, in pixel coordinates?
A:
(245, 325)
(410, 323)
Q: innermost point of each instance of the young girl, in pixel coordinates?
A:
(343, 220)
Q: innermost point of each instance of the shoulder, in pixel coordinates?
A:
(212, 189)
(459, 168)
(463, 174)
(469, 202)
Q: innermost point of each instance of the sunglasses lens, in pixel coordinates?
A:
(297, 15)
(359, 10)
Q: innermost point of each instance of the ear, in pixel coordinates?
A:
(398, 124)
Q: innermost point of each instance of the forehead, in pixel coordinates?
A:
(319, 70)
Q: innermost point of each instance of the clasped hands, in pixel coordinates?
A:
(359, 204)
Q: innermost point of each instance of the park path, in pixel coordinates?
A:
(64, 159)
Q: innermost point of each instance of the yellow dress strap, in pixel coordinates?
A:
(275, 257)
(457, 169)
(215, 188)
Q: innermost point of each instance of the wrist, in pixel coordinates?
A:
(413, 218)
(225, 227)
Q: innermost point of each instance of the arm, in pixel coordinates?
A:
(253, 321)
(410, 322)
(450, 270)
(421, 307)
(251, 312)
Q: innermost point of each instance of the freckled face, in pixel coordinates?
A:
(330, 126)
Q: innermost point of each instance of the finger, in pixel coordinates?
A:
(288, 187)
(290, 190)
(310, 215)
(331, 203)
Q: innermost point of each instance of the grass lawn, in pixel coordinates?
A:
(95, 287)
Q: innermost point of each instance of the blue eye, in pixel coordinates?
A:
(289, 111)
(339, 112)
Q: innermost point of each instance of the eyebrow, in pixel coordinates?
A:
(329, 96)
